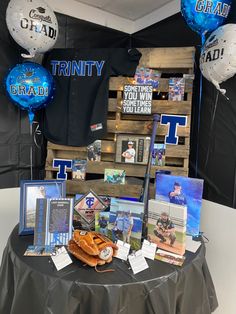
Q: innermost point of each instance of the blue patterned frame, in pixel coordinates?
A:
(58, 185)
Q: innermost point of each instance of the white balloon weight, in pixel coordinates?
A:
(32, 24)
(218, 55)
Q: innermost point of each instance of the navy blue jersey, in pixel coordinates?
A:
(78, 114)
(178, 199)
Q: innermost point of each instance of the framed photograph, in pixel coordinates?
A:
(167, 226)
(132, 149)
(126, 221)
(182, 191)
(59, 221)
(29, 192)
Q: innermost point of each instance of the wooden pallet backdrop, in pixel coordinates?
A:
(167, 60)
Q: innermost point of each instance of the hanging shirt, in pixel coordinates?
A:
(78, 113)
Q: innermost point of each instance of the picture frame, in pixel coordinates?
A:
(126, 222)
(188, 193)
(29, 192)
(132, 149)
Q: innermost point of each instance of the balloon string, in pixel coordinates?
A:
(211, 128)
(31, 152)
(199, 120)
(199, 110)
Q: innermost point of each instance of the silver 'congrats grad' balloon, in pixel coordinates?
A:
(32, 24)
(218, 56)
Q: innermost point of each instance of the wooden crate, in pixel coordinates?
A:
(167, 60)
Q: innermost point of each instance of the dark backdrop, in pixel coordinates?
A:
(212, 138)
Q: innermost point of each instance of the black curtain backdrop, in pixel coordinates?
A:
(214, 142)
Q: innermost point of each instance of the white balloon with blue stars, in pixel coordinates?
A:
(32, 24)
(218, 56)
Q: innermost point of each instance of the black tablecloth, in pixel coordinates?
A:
(31, 285)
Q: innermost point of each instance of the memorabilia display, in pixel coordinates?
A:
(29, 192)
(114, 176)
(147, 76)
(169, 258)
(90, 70)
(125, 222)
(182, 191)
(94, 151)
(79, 169)
(132, 149)
(53, 223)
(92, 248)
(176, 89)
(167, 226)
(158, 154)
(85, 209)
(137, 99)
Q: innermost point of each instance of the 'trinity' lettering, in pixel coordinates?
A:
(79, 68)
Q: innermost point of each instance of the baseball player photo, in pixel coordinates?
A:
(129, 153)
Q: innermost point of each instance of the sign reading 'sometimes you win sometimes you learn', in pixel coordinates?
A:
(137, 99)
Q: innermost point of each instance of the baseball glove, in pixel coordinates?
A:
(92, 248)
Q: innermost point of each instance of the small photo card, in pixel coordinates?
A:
(94, 151)
(149, 249)
(123, 250)
(158, 155)
(114, 176)
(147, 76)
(61, 258)
(34, 250)
(137, 262)
(176, 88)
(169, 258)
(79, 169)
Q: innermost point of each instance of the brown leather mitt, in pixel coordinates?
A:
(92, 248)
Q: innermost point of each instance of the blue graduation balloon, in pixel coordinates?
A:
(30, 86)
(204, 16)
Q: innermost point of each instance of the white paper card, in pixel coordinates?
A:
(149, 249)
(123, 250)
(137, 262)
(191, 245)
(61, 259)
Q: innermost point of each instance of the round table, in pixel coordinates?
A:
(31, 285)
